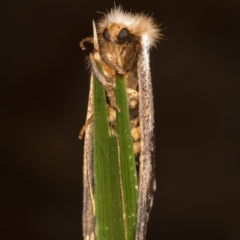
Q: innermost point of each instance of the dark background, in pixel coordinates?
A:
(44, 91)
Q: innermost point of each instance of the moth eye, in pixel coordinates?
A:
(123, 34)
(106, 34)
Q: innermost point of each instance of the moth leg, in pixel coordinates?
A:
(107, 86)
(98, 74)
(88, 122)
(88, 39)
(119, 69)
(106, 60)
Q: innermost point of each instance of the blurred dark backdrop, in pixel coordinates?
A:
(44, 91)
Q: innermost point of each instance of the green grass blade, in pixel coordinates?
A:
(115, 178)
(127, 159)
(109, 217)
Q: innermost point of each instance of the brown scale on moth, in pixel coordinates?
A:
(124, 41)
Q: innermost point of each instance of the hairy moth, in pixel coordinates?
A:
(121, 44)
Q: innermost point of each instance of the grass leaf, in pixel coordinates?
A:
(115, 179)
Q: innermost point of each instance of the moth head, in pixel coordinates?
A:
(134, 25)
(116, 33)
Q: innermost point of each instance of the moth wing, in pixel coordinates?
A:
(88, 197)
(146, 115)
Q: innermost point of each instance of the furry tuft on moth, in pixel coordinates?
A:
(119, 139)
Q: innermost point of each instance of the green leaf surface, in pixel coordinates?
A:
(115, 179)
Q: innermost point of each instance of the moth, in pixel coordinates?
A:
(122, 41)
